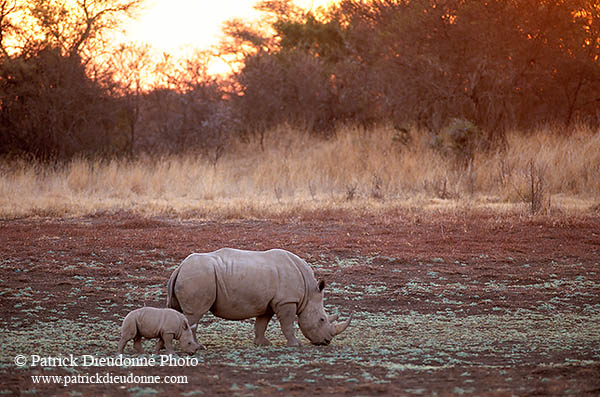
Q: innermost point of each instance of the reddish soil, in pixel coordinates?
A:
(510, 249)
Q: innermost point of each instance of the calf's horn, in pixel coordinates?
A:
(341, 327)
(333, 317)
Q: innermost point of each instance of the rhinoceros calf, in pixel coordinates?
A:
(236, 285)
(164, 324)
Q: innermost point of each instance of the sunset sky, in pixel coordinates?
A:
(169, 25)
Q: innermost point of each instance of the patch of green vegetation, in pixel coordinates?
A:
(142, 391)
(27, 291)
(193, 393)
(324, 263)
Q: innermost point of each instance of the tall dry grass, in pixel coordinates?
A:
(357, 169)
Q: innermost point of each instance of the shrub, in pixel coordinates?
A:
(460, 139)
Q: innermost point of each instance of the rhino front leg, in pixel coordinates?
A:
(287, 315)
(168, 341)
(159, 345)
(260, 326)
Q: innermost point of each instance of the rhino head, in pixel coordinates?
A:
(187, 342)
(315, 324)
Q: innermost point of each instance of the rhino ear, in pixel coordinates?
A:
(185, 325)
(321, 285)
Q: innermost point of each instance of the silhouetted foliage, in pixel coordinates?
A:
(51, 109)
(320, 39)
(193, 121)
(464, 70)
(50, 106)
(290, 87)
(501, 64)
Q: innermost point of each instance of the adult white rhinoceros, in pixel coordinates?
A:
(236, 285)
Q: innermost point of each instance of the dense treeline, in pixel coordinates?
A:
(499, 63)
(495, 64)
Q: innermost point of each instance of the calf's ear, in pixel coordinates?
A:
(185, 325)
(321, 285)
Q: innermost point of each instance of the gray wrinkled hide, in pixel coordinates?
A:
(236, 284)
(161, 323)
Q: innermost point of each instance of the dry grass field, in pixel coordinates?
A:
(295, 172)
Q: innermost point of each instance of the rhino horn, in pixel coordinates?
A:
(333, 317)
(341, 327)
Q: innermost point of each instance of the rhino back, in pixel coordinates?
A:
(247, 283)
(152, 322)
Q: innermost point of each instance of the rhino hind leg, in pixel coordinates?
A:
(128, 332)
(195, 300)
(137, 343)
(287, 314)
(260, 326)
(193, 319)
(125, 337)
(122, 344)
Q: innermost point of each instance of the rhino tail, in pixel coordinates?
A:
(172, 301)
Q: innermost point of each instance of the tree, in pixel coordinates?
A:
(288, 78)
(130, 66)
(75, 27)
(499, 64)
(53, 103)
(8, 28)
(320, 39)
(186, 110)
(52, 110)
(291, 87)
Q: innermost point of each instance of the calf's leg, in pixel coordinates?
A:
(168, 341)
(159, 345)
(137, 344)
(122, 344)
(128, 332)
